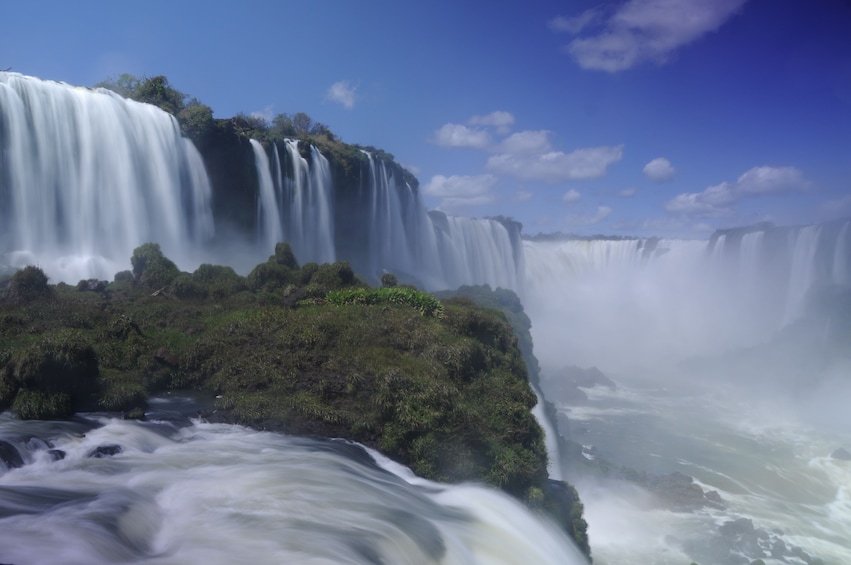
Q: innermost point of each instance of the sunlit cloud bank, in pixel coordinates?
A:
(641, 31)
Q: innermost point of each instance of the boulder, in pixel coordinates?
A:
(10, 456)
(106, 450)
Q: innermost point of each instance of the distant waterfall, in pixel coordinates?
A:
(633, 300)
(441, 251)
(86, 176)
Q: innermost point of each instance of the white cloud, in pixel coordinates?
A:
(659, 170)
(601, 214)
(526, 142)
(576, 23)
(342, 92)
(266, 114)
(571, 196)
(644, 30)
(767, 180)
(557, 166)
(500, 120)
(457, 185)
(456, 135)
(721, 199)
(627, 193)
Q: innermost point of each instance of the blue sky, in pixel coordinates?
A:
(633, 117)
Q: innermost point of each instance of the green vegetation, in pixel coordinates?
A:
(440, 387)
(422, 302)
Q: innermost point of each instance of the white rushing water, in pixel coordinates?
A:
(205, 493)
(90, 176)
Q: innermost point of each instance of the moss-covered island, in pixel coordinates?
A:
(439, 386)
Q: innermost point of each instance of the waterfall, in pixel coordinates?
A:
(86, 176)
(308, 198)
(268, 214)
(803, 244)
(841, 262)
(440, 251)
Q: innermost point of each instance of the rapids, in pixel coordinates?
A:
(202, 493)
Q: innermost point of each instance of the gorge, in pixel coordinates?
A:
(716, 337)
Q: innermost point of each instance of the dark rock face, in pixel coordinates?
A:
(841, 454)
(56, 454)
(10, 456)
(107, 450)
(676, 491)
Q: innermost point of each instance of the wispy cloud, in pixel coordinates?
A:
(572, 196)
(459, 191)
(576, 24)
(266, 114)
(578, 220)
(524, 142)
(642, 30)
(500, 120)
(721, 199)
(627, 192)
(659, 170)
(556, 166)
(457, 135)
(342, 92)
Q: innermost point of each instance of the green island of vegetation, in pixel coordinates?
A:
(440, 386)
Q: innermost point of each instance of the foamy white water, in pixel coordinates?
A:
(209, 493)
(768, 462)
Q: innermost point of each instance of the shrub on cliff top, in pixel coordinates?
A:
(28, 285)
(151, 267)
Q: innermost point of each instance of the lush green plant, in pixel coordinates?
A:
(389, 280)
(333, 276)
(151, 267)
(424, 303)
(27, 285)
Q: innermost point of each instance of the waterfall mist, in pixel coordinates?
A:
(731, 363)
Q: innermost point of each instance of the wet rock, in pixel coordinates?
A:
(10, 456)
(714, 499)
(166, 357)
(107, 450)
(842, 454)
(56, 454)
